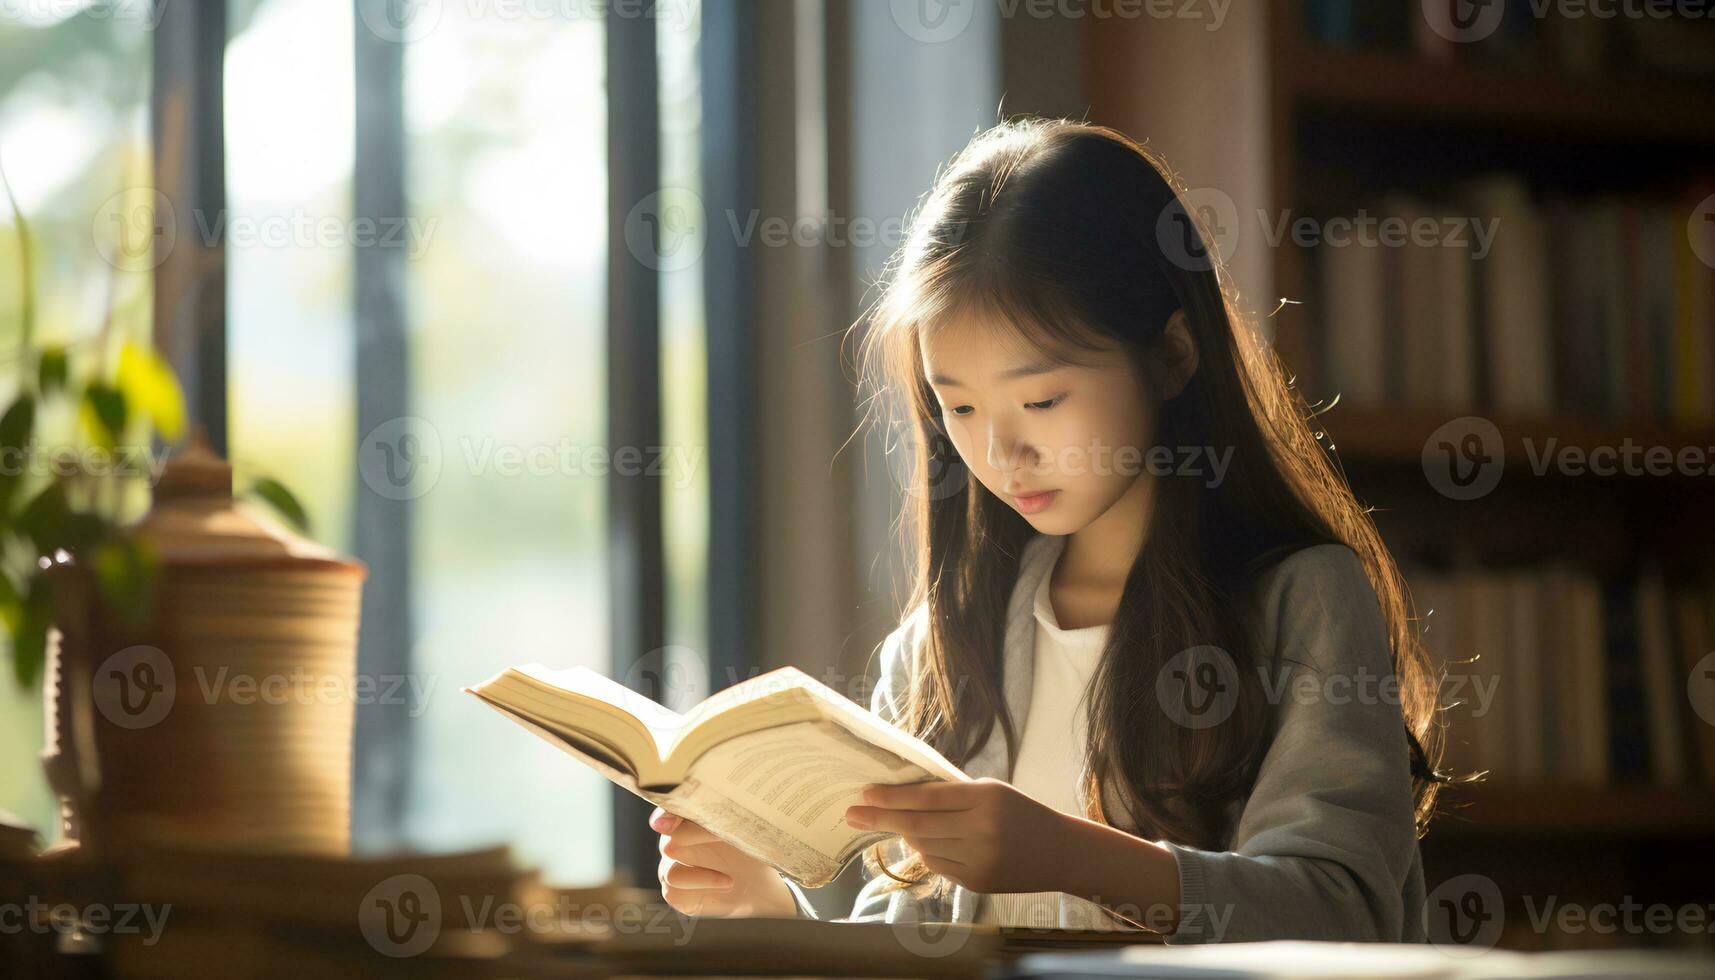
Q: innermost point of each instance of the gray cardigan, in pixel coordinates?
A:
(1325, 846)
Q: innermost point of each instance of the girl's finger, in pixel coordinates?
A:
(713, 853)
(675, 874)
(940, 848)
(698, 901)
(923, 823)
(690, 832)
(662, 822)
(918, 796)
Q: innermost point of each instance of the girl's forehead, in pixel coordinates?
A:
(994, 344)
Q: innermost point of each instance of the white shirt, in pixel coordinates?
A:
(1051, 752)
(1333, 797)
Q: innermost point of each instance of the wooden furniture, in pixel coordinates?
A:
(1283, 124)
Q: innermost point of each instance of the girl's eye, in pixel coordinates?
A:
(961, 409)
(1046, 403)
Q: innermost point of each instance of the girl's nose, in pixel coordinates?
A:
(1005, 453)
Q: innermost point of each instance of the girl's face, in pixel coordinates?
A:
(1058, 443)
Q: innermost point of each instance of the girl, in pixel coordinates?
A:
(1148, 613)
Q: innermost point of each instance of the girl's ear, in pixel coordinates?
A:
(1177, 356)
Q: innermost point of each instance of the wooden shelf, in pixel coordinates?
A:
(1397, 435)
(1306, 126)
(1619, 811)
(1398, 84)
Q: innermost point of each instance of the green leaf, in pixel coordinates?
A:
(275, 494)
(51, 524)
(105, 412)
(16, 428)
(11, 605)
(26, 268)
(18, 423)
(80, 531)
(125, 571)
(43, 519)
(150, 387)
(30, 637)
(53, 370)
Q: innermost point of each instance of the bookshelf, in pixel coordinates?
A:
(1582, 812)
(1396, 437)
(1313, 76)
(1282, 121)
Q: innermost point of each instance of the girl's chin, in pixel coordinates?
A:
(1051, 521)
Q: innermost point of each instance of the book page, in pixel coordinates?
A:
(781, 795)
(662, 722)
(789, 682)
(785, 696)
(597, 757)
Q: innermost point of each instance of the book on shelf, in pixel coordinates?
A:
(1528, 305)
(768, 765)
(1677, 44)
(1505, 36)
(1556, 675)
(1354, 23)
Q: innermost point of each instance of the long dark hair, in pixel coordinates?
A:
(1063, 230)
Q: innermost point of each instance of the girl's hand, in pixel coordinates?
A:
(701, 874)
(984, 834)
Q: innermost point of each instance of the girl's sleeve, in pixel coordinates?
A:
(896, 653)
(1326, 845)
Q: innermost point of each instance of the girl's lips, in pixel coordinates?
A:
(1035, 502)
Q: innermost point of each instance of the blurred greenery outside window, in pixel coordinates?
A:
(505, 131)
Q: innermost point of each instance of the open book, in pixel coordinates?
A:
(768, 765)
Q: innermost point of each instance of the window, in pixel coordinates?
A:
(478, 309)
(74, 93)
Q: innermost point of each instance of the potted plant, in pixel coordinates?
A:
(76, 446)
(121, 563)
